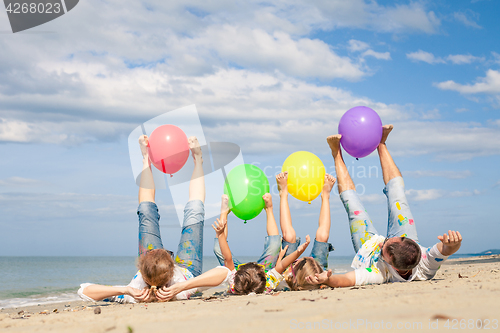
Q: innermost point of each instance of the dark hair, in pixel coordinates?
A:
(405, 255)
(303, 268)
(250, 278)
(157, 269)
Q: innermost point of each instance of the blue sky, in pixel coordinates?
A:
(273, 78)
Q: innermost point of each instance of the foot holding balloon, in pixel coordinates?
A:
(386, 129)
(334, 143)
(195, 148)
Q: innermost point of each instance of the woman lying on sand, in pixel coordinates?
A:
(156, 265)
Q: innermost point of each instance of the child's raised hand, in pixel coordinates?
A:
(304, 246)
(319, 278)
(219, 227)
(282, 254)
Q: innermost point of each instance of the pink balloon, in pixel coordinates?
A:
(361, 130)
(168, 148)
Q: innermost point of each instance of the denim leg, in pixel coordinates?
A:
(190, 250)
(361, 226)
(219, 255)
(400, 217)
(149, 227)
(320, 252)
(292, 247)
(272, 247)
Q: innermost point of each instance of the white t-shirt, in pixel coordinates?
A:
(370, 270)
(180, 274)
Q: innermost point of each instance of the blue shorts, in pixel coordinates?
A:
(400, 222)
(320, 252)
(190, 249)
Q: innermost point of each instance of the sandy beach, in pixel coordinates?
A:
(463, 295)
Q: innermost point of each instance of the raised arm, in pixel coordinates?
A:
(449, 243)
(334, 281)
(98, 292)
(220, 228)
(282, 264)
(211, 278)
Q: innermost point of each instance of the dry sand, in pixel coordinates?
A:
(463, 296)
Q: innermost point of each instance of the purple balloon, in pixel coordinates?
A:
(361, 130)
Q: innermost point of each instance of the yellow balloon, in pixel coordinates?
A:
(306, 175)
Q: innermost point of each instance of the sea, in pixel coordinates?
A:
(32, 281)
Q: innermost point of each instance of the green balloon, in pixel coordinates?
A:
(245, 185)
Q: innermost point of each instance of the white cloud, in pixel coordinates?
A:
(425, 57)
(258, 49)
(377, 55)
(445, 140)
(370, 15)
(489, 84)
(20, 182)
(373, 198)
(459, 59)
(441, 174)
(496, 56)
(357, 45)
(462, 18)
(59, 205)
(433, 194)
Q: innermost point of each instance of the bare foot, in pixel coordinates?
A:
(329, 182)
(268, 199)
(224, 206)
(143, 143)
(386, 129)
(334, 143)
(194, 145)
(282, 179)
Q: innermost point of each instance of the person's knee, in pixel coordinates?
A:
(322, 235)
(289, 235)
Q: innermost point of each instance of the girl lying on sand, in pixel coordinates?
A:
(156, 265)
(266, 273)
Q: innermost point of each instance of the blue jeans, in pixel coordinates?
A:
(320, 252)
(268, 258)
(292, 247)
(400, 221)
(190, 249)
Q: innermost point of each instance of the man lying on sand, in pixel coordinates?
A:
(397, 257)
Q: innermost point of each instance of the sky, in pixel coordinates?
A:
(273, 78)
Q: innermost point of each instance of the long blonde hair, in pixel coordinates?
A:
(297, 273)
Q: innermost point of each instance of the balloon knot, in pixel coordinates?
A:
(357, 159)
(245, 222)
(309, 202)
(171, 175)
